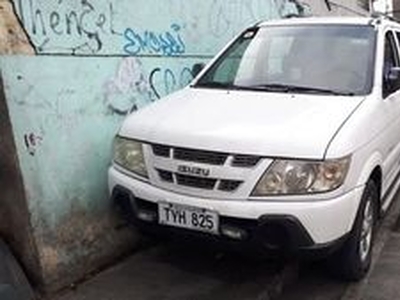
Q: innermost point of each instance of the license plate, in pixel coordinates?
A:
(188, 217)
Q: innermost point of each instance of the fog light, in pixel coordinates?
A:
(147, 216)
(233, 232)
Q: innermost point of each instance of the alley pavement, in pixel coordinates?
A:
(13, 283)
(169, 271)
(183, 272)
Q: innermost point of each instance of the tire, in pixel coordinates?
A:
(353, 260)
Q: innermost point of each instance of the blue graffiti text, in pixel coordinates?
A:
(168, 43)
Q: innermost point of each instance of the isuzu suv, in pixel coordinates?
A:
(289, 137)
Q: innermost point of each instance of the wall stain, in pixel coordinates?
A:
(80, 243)
(13, 37)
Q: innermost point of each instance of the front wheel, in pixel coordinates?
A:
(353, 260)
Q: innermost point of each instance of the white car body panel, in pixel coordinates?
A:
(245, 122)
(325, 220)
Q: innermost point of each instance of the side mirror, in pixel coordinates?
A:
(393, 75)
(392, 80)
(197, 68)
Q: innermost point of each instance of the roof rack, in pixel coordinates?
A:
(379, 15)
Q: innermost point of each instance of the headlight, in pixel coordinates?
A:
(129, 155)
(295, 177)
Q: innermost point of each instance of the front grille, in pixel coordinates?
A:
(199, 182)
(245, 161)
(173, 175)
(205, 157)
(229, 185)
(196, 182)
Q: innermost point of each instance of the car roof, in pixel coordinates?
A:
(330, 20)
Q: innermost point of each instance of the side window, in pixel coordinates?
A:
(391, 80)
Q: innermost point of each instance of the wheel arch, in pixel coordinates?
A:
(376, 176)
(372, 170)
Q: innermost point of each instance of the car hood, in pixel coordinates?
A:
(245, 122)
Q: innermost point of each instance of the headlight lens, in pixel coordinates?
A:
(295, 177)
(129, 155)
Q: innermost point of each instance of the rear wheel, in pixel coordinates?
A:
(353, 260)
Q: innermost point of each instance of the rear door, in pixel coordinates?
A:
(391, 103)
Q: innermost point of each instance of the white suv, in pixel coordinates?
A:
(289, 138)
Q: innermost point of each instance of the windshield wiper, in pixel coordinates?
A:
(273, 87)
(215, 85)
(221, 85)
(287, 88)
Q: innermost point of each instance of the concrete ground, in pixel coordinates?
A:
(13, 283)
(172, 271)
(182, 272)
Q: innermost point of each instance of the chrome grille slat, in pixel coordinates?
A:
(229, 185)
(199, 182)
(245, 161)
(199, 156)
(196, 182)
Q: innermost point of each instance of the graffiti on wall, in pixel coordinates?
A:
(168, 43)
(107, 27)
(170, 80)
(186, 32)
(132, 87)
(66, 26)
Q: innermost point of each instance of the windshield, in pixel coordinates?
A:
(334, 59)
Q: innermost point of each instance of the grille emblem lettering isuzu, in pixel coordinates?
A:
(193, 170)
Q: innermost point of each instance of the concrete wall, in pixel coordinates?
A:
(95, 61)
(337, 7)
(15, 224)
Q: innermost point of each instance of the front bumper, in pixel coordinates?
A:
(296, 225)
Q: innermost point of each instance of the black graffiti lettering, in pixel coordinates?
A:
(164, 81)
(55, 22)
(101, 21)
(169, 81)
(37, 17)
(71, 18)
(152, 82)
(84, 25)
(111, 20)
